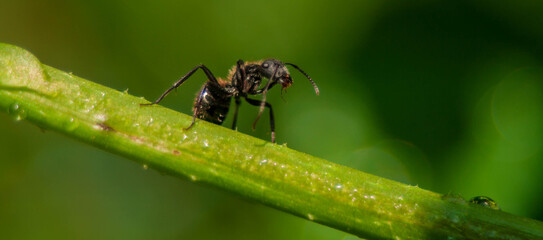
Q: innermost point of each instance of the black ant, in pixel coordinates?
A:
(244, 79)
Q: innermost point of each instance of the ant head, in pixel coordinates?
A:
(281, 76)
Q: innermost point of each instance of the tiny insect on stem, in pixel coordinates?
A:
(213, 101)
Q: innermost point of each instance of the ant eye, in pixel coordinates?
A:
(265, 65)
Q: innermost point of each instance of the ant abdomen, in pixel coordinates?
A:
(211, 104)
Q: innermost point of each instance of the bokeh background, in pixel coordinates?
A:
(446, 95)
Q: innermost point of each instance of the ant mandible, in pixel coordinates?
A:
(244, 79)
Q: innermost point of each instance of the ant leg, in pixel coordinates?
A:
(192, 123)
(197, 107)
(241, 70)
(238, 81)
(263, 102)
(260, 91)
(182, 80)
(238, 102)
(272, 121)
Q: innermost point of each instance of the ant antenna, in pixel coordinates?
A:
(263, 102)
(311, 80)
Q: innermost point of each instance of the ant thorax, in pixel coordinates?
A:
(247, 65)
(224, 83)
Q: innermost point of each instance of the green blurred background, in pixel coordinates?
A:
(445, 95)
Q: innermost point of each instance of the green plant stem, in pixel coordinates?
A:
(362, 204)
